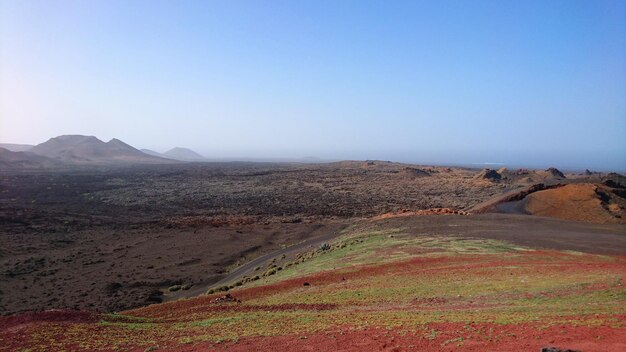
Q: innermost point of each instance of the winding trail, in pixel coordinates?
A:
(495, 204)
(501, 217)
(330, 232)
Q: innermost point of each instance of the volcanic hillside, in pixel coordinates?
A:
(488, 175)
(24, 160)
(381, 286)
(183, 154)
(523, 176)
(180, 154)
(90, 150)
(580, 202)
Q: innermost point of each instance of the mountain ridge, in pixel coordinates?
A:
(81, 149)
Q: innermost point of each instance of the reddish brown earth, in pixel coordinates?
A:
(451, 337)
(579, 202)
(170, 324)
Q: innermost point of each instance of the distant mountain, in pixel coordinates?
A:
(153, 153)
(183, 154)
(180, 154)
(80, 149)
(16, 147)
(24, 160)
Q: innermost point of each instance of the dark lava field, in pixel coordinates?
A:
(115, 238)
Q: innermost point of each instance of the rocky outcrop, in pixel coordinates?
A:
(489, 174)
(554, 172)
(614, 180)
(557, 349)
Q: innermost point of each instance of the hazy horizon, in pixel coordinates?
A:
(532, 83)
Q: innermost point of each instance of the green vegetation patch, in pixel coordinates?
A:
(385, 280)
(379, 247)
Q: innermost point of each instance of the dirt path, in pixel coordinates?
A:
(319, 236)
(495, 204)
(513, 207)
(507, 222)
(529, 231)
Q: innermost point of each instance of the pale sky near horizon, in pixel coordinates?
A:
(533, 83)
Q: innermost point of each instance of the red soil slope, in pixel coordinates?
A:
(580, 202)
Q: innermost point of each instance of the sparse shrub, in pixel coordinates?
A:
(186, 340)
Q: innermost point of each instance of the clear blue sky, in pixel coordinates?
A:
(519, 82)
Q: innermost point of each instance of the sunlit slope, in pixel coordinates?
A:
(373, 291)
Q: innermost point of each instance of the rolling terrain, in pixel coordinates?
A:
(121, 236)
(373, 255)
(376, 287)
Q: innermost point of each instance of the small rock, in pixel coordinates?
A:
(557, 349)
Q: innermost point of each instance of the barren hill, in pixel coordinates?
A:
(90, 150)
(183, 154)
(489, 175)
(154, 153)
(16, 147)
(580, 202)
(19, 160)
(524, 176)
